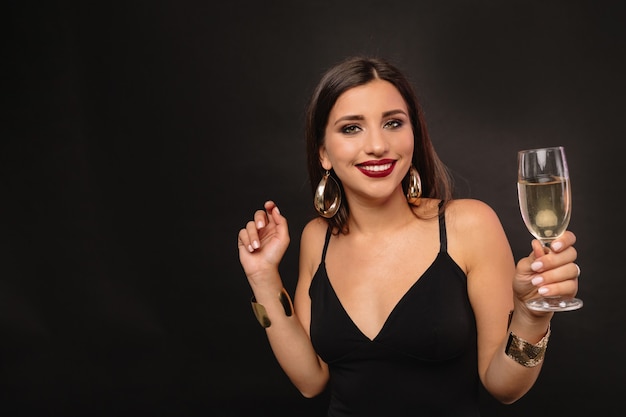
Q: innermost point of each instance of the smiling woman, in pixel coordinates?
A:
(403, 295)
(362, 132)
(139, 137)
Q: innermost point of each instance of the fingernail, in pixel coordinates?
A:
(260, 224)
(255, 244)
(276, 208)
(250, 248)
(537, 280)
(542, 290)
(556, 246)
(536, 266)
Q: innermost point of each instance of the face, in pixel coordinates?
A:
(369, 140)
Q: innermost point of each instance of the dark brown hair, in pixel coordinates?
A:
(353, 72)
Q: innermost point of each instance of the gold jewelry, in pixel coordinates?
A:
(414, 190)
(320, 198)
(525, 353)
(261, 314)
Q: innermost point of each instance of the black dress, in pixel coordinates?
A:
(423, 362)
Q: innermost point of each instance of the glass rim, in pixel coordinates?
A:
(559, 147)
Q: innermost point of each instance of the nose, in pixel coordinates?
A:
(376, 143)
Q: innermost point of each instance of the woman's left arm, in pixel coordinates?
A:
(510, 356)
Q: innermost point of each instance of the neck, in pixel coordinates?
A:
(379, 216)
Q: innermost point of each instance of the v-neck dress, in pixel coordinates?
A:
(423, 362)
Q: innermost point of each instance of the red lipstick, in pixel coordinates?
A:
(378, 168)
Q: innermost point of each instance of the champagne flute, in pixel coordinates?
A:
(545, 200)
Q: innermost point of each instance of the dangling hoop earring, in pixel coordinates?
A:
(414, 190)
(320, 199)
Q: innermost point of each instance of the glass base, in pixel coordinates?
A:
(554, 304)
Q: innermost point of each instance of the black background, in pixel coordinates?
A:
(139, 136)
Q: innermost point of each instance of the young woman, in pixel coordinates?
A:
(404, 294)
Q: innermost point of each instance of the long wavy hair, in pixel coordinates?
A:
(357, 71)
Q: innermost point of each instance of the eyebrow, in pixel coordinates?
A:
(360, 117)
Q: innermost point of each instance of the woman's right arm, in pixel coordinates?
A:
(262, 245)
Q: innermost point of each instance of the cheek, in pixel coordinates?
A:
(338, 147)
(407, 145)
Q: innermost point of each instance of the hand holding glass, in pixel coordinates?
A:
(543, 188)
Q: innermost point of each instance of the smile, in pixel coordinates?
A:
(377, 170)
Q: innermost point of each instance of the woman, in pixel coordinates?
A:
(403, 296)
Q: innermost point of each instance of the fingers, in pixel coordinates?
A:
(566, 240)
(274, 216)
(554, 271)
(538, 249)
(250, 236)
(560, 252)
(567, 287)
(260, 219)
(274, 212)
(244, 241)
(561, 279)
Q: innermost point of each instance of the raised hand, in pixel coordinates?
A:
(263, 243)
(548, 272)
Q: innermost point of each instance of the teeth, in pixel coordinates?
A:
(376, 168)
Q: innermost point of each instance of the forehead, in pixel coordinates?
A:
(377, 96)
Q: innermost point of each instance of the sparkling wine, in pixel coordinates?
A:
(545, 206)
(545, 201)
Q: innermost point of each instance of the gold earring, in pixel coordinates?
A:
(320, 198)
(414, 191)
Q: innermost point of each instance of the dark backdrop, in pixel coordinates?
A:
(139, 136)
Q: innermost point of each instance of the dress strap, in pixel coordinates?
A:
(443, 238)
(326, 243)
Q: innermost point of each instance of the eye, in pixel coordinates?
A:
(393, 124)
(350, 129)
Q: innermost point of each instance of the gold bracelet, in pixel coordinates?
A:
(525, 353)
(261, 314)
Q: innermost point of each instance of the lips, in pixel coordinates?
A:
(377, 169)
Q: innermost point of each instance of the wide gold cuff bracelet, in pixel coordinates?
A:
(261, 314)
(525, 353)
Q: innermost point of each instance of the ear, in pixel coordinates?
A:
(324, 159)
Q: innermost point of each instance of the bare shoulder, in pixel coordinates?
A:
(473, 228)
(314, 230)
(470, 213)
(312, 244)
